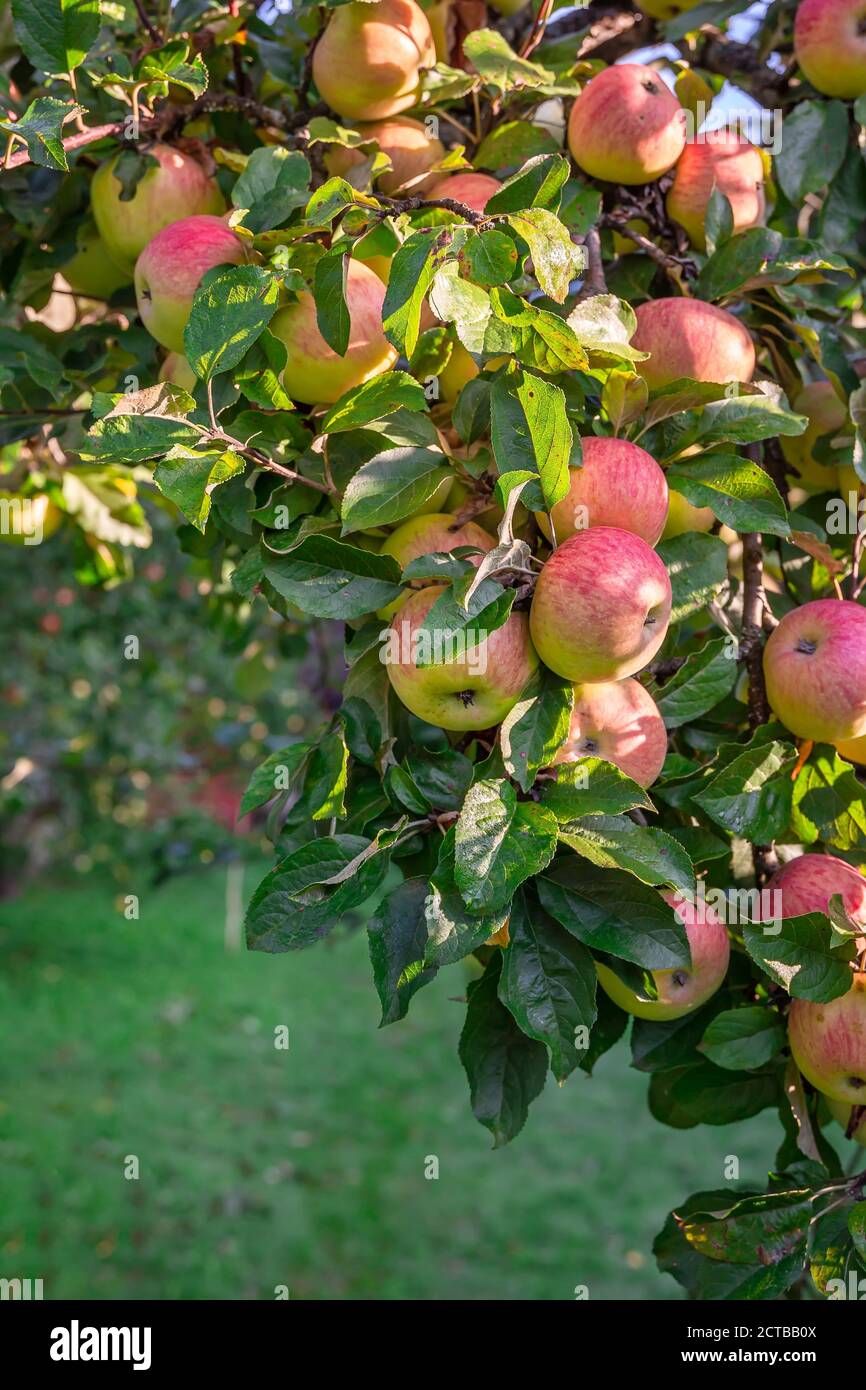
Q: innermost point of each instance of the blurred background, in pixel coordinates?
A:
(138, 1036)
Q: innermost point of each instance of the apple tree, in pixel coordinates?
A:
(519, 351)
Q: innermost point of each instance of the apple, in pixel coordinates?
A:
(830, 43)
(91, 271)
(719, 159)
(853, 749)
(685, 989)
(620, 722)
(842, 1114)
(691, 338)
(473, 691)
(626, 126)
(827, 417)
(815, 670)
(177, 370)
(367, 64)
(601, 606)
(178, 187)
(828, 1043)
(683, 516)
(428, 533)
(619, 484)
(407, 143)
(665, 9)
(314, 373)
(27, 520)
(170, 268)
(470, 188)
(807, 884)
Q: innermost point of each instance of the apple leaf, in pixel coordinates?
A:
(708, 676)
(490, 259)
(230, 310)
(188, 478)
(373, 400)
(612, 912)
(828, 802)
(814, 148)
(505, 1068)
(556, 261)
(41, 130)
(290, 910)
(746, 420)
(392, 486)
(752, 795)
(548, 983)
(56, 35)
(801, 955)
(592, 787)
(536, 727)
(498, 843)
(744, 1039)
(274, 182)
(397, 939)
(538, 184)
(739, 492)
(448, 621)
(275, 775)
(645, 851)
(698, 567)
(410, 278)
(454, 931)
(605, 325)
(530, 430)
(857, 1228)
(328, 579)
(329, 293)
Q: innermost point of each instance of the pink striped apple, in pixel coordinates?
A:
(686, 988)
(828, 1043)
(620, 722)
(815, 670)
(719, 159)
(830, 43)
(619, 484)
(170, 268)
(178, 187)
(690, 338)
(626, 126)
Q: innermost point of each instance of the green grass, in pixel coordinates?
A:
(303, 1168)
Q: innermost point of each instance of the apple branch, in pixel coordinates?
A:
(417, 204)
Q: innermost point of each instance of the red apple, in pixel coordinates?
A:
(724, 160)
(428, 533)
(808, 883)
(828, 1043)
(469, 188)
(619, 484)
(411, 150)
(367, 64)
(474, 690)
(626, 126)
(601, 606)
(170, 268)
(177, 188)
(690, 338)
(620, 722)
(685, 989)
(314, 373)
(815, 670)
(830, 43)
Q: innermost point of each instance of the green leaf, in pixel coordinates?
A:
(612, 912)
(373, 400)
(813, 150)
(448, 622)
(230, 310)
(708, 676)
(536, 727)
(20, 352)
(325, 785)
(275, 775)
(41, 130)
(490, 259)
(56, 35)
(499, 842)
(536, 337)
(555, 258)
(395, 484)
(739, 492)
(746, 420)
(744, 1039)
(538, 184)
(397, 938)
(328, 579)
(292, 907)
(752, 794)
(548, 984)
(800, 954)
(617, 842)
(530, 430)
(410, 278)
(499, 66)
(698, 567)
(511, 143)
(453, 930)
(332, 311)
(605, 325)
(274, 182)
(506, 1069)
(857, 1228)
(710, 1095)
(829, 803)
(443, 778)
(188, 478)
(592, 787)
(170, 64)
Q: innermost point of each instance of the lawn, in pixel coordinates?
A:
(257, 1167)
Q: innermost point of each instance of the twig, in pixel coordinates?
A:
(666, 259)
(152, 31)
(536, 33)
(397, 205)
(594, 282)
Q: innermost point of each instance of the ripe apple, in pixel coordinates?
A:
(842, 1114)
(170, 268)
(27, 520)
(626, 126)
(690, 338)
(177, 370)
(685, 989)
(815, 670)
(475, 690)
(828, 1043)
(827, 416)
(91, 271)
(428, 533)
(367, 64)
(807, 884)
(601, 606)
(619, 484)
(721, 159)
(854, 749)
(407, 143)
(314, 373)
(470, 188)
(683, 516)
(178, 188)
(830, 43)
(620, 722)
